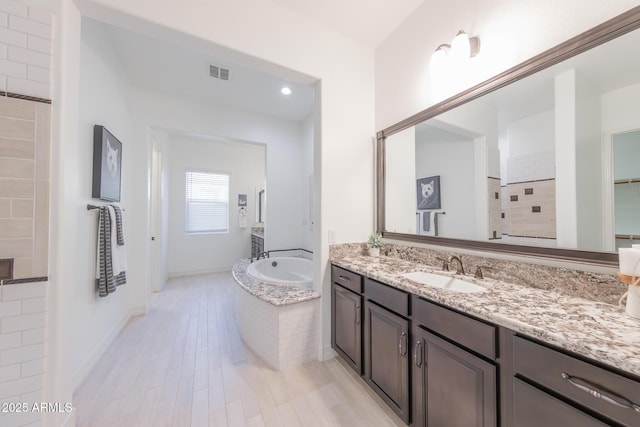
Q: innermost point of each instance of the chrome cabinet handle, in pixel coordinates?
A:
(357, 312)
(593, 391)
(403, 344)
(418, 351)
(345, 278)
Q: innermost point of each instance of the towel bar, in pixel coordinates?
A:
(91, 207)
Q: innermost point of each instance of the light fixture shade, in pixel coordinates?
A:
(460, 48)
(438, 64)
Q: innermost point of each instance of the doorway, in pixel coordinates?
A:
(158, 279)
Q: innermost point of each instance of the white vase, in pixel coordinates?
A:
(633, 301)
(374, 251)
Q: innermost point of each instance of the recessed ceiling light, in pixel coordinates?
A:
(286, 90)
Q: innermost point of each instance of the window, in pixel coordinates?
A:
(207, 202)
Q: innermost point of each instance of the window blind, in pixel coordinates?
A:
(207, 202)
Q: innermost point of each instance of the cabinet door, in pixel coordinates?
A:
(452, 387)
(535, 408)
(346, 326)
(386, 357)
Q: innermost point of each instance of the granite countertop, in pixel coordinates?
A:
(597, 330)
(276, 294)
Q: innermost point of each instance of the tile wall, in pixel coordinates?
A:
(528, 199)
(25, 70)
(24, 185)
(25, 49)
(22, 352)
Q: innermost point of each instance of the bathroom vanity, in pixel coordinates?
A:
(257, 241)
(509, 355)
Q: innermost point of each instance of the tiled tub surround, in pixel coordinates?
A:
(573, 310)
(278, 322)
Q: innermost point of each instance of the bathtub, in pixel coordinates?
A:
(278, 309)
(283, 270)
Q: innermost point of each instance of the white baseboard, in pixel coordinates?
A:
(328, 353)
(138, 311)
(86, 367)
(175, 275)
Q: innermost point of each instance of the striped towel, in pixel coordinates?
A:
(106, 282)
(119, 226)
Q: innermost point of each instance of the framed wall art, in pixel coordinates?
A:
(107, 165)
(428, 193)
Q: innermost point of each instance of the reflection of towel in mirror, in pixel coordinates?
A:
(111, 260)
(425, 223)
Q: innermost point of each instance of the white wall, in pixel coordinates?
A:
(455, 164)
(565, 155)
(510, 32)
(245, 164)
(619, 109)
(104, 100)
(589, 166)
(400, 185)
(284, 141)
(529, 148)
(532, 133)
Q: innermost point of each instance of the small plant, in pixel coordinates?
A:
(375, 240)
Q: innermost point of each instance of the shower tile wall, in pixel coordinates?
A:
(25, 69)
(24, 185)
(528, 199)
(495, 208)
(534, 212)
(25, 49)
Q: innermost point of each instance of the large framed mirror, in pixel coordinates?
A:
(542, 160)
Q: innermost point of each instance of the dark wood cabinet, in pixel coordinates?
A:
(581, 390)
(435, 366)
(451, 386)
(534, 408)
(387, 357)
(346, 316)
(347, 332)
(257, 245)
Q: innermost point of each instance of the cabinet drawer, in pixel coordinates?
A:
(470, 333)
(391, 298)
(573, 378)
(533, 408)
(346, 278)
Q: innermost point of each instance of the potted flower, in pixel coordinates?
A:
(374, 243)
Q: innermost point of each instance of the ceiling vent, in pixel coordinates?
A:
(218, 72)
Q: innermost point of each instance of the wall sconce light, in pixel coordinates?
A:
(456, 54)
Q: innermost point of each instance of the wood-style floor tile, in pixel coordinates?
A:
(184, 364)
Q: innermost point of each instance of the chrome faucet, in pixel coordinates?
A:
(263, 254)
(456, 258)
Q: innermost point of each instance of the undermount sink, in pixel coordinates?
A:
(450, 283)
